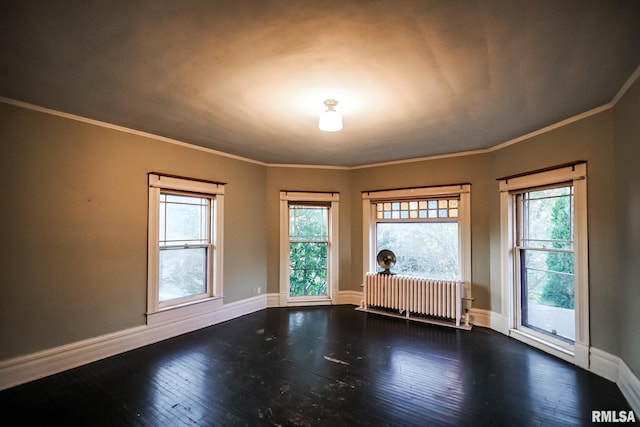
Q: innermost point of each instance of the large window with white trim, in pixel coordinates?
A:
(428, 229)
(544, 235)
(185, 236)
(308, 248)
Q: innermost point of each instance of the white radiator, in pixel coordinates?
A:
(414, 295)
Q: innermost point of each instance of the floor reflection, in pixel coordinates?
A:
(320, 366)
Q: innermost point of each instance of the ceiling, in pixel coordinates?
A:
(248, 77)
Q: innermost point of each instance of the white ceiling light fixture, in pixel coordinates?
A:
(330, 119)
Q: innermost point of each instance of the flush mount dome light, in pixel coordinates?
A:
(330, 120)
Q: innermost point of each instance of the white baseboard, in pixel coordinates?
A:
(489, 319)
(599, 362)
(615, 369)
(349, 297)
(30, 367)
(273, 300)
(341, 297)
(629, 386)
(480, 317)
(604, 364)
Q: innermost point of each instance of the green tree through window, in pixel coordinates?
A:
(308, 248)
(559, 287)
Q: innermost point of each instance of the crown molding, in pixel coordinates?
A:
(124, 129)
(623, 90)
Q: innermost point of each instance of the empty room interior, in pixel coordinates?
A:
(405, 182)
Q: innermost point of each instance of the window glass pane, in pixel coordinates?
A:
(163, 224)
(425, 249)
(183, 219)
(182, 272)
(308, 223)
(547, 217)
(547, 261)
(308, 269)
(547, 292)
(308, 236)
(414, 209)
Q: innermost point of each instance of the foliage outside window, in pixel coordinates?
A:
(423, 234)
(545, 263)
(309, 240)
(308, 248)
(546, 249)
(428, 229)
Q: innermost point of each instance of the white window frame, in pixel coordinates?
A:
(332, 248)
(463, 191)
(162, 312)
(578, 353)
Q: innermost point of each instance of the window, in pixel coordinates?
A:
(309, 251)
(423, 234)
(545, 252)
(545, 269)
(185, 242)
(428, 229)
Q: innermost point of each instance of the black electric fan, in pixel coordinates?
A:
(386, 259)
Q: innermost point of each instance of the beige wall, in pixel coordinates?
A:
(74, 226)
(74, 221)
(627, 137)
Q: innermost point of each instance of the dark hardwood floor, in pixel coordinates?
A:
(327, 366)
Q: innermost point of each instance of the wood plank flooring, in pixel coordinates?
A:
(322, 366)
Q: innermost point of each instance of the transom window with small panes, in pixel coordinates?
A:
(417, 209)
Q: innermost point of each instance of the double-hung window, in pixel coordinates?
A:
(428, 229)
(545, 273)
(309, 248)
(185, 238)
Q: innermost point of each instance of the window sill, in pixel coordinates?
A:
(544, 345)
(307, 301)
(184, 311)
